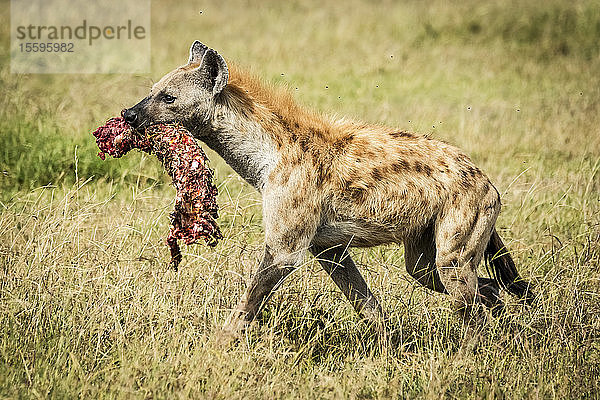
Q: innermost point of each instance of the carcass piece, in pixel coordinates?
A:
(117, 138)
(196, 208)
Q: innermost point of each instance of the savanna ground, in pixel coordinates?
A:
(89, 308)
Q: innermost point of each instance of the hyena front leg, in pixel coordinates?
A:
(288, 234)
(461, 237)
(270, 274)
(336, 261)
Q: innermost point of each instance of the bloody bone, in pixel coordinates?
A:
(196, 208)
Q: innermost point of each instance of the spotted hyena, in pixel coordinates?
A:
(330, 184)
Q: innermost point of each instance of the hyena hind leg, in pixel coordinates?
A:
(419, 257)
(461, 237)
(420, 254)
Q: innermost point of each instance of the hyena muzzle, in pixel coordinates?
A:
(331, 184)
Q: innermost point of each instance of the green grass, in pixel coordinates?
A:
(89, 308)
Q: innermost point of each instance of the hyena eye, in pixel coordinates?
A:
(167, 98)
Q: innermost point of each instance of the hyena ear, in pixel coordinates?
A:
(197, 51)
(214, 71)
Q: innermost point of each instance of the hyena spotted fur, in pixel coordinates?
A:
(331, 184)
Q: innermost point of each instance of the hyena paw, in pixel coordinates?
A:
(232, 331)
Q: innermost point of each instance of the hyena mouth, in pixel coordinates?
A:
(196, 208)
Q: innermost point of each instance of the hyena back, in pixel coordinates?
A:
(330, 184)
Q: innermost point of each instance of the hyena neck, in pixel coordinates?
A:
(253, 123)
(242, 143)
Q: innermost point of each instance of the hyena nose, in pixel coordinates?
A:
(130, 117)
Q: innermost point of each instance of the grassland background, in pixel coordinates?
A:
(88, 307)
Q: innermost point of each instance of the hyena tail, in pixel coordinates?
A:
(505, 271)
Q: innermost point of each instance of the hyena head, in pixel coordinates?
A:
(186, 95)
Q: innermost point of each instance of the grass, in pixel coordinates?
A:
(88, 307)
